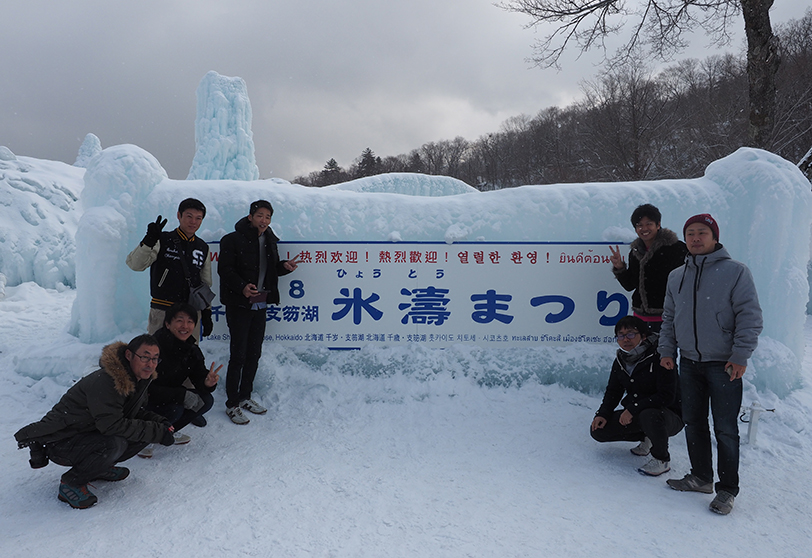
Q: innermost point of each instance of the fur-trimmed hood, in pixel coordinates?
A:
(114, 362)
(648, 269)
(666, 237)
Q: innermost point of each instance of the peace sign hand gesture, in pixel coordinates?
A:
(617, 260)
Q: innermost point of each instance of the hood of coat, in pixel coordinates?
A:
(114, 363)
(703, 260)
(666, 237)
(244, 227)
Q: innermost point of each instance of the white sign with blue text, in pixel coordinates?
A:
(345, 294)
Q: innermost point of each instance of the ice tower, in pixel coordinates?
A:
(223, 138)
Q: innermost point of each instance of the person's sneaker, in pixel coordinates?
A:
(114, 474)
(691, 483)
(181, 438)
(79, 497)
(654, 467)
(199, 421)
(146, 453)
(723, 503)
(253, 407)
(236, 416)
(643, 448)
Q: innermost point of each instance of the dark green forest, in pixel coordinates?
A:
(630, 124)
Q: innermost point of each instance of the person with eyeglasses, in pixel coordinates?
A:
(182, 392)
(100, 421)
(652, 256)
(649, 396)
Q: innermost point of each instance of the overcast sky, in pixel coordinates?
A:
(326, 78)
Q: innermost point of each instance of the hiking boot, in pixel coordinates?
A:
(114, 474)
(691, 483)
(253, 407)
(654, 467)
(146, 453)
(199, 421)
(181, 438)
(643, 448)
(79, 497)
(723, 503)
(236, 416)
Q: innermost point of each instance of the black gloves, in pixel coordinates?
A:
(168, 438)
(154, 232)
(205, 321)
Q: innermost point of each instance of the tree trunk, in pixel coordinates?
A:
(763, 59)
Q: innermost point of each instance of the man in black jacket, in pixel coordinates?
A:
(100, 421)
(182, 362)
(249, 267)
(170, 277)
(651, 408)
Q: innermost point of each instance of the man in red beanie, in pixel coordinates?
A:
(711, 313)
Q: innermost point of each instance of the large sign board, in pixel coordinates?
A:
(348, 294)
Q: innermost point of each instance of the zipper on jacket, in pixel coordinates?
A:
(696, 288)
(163, 277)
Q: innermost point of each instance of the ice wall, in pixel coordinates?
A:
(117, 182)
(223, 138)
(763, 205)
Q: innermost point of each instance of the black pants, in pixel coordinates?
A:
(89, 455)
(247, 330)
(178, 415)
(657, 424)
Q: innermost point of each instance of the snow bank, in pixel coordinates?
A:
(39, 215)
(410, 184)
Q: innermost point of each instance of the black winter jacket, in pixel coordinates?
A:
(108, 401)
(649, 386)
(238, 264)
(647, 271)
(167, 278)
(179, 360)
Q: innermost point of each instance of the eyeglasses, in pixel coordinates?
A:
(146, 359)
(630, 335)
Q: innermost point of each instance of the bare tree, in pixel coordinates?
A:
(662, 26)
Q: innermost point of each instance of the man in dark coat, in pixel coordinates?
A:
(100, 421)
(651, 406)
(249, 267)
(181, 361)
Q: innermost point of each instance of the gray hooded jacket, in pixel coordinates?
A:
(711, 310)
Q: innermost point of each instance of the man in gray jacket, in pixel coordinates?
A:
(711, 313)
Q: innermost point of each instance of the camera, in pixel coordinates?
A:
(39, 457)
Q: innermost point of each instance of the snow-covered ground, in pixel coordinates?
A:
(428, 463)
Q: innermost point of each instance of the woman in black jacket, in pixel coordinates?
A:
(651, 407)
(652, 256)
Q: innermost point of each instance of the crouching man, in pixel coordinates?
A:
(651, 407)
(99, 421)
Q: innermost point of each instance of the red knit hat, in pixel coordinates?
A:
(705, 219)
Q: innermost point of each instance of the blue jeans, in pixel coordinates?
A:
(704, 382)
